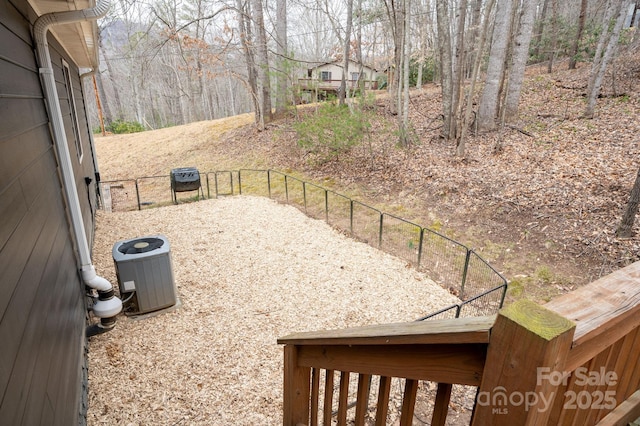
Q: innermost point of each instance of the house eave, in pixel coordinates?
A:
(79, 40)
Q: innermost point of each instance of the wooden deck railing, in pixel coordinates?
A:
(573, 361)
(444, 351)
(605, 349)
(314, 83)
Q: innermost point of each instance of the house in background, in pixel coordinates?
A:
(325, 78)
(48, 199)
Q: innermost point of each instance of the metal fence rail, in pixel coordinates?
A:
(451, 264)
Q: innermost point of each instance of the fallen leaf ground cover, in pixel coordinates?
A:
(543, 209)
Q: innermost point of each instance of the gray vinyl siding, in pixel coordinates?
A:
(42, 303)
(82, 167)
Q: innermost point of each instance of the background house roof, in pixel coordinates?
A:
(80, 40)
(340, 64)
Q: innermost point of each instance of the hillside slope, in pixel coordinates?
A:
(543, 209)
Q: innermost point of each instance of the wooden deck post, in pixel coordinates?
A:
(296, 389)
(524, 366)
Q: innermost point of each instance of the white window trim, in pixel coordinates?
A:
(66, 71)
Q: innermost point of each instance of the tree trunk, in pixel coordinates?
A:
(445, 52)
(396, 20)
(475, 21)
(281, 49)
(600, 64)
(460, 149)
(342, 93)
(519, 60)
(576, 42)
(554, 35)
(110, 71)
(458, 70)
(625, 229)
(488, 108)
(108, 117)
(406, 48)
(244, 24)
(540, 29)
(264, 83)
(361, 82)
(422, 42)
(422, 14)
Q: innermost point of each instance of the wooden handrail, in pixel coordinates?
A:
(604, 311)
(447, 331)
(606, 345)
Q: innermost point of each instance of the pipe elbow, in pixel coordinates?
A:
(91, 279)
(107, 305)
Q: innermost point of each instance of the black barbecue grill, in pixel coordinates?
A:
(185, 179)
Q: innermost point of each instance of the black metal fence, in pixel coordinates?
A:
(451, 264)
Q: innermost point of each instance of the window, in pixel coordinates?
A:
(72, 109)
(354, 76)
(325, 75)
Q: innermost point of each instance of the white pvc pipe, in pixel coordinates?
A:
(40, 29)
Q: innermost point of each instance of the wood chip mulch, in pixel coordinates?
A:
(247, 271)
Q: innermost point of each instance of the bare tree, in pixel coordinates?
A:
(403, 95)
(111, 76)
(576, 41)
(519, 59)
(446, 64)
(468, 107)
(489, 101)
(107, 115)
(605, 50)
(625, 229)
(422, 18)
(246, 37)
(264, 82)
(457, 80)
(554, 35)
(540, 28)
(282, 51)
(475, 23)
(395, 13)
(342, 93)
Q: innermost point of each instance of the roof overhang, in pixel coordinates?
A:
(79, 40)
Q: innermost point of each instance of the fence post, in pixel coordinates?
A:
(521, 381)
(420, 248)
(208, 190)
(240, 182)
(465, 270)
(380, 233)
(138, 195)
(326, 206)
(351, 216)
(296, 389)
(286, 188)
(269, 181)
(304, 195)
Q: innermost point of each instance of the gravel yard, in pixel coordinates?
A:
(248, 271)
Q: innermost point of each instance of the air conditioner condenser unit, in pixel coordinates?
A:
(145, 275)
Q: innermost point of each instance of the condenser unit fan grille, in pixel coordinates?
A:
(141, 245)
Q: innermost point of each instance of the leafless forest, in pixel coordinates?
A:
(170, 62)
